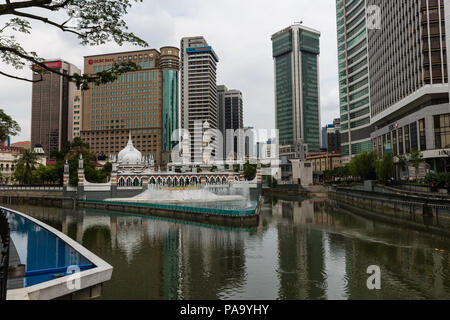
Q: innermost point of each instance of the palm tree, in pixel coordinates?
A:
(25, 165)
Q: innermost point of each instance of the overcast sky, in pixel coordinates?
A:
(238, 30)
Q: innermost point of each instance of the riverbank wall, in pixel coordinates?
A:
(56, 197)
(296, 190)
(422, 213)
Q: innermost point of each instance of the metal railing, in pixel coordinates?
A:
(4, 254)
(44, 187)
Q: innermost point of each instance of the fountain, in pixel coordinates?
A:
(200, 195)
(161, 194)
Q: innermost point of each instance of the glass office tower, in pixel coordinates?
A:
(296, 52)
(353, 77)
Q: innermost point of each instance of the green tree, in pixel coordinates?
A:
(416, 159)
(25, 165)
(385, 167)
(363, 166)
(72, 153)
(93, 22)
(108, 168)
(249, 171)
(8, 127)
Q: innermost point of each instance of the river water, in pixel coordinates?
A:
(300, 250)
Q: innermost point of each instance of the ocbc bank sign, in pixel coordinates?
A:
(92, 61)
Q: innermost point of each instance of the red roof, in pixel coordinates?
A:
(96, 164)
(5, 148)
(20, 143)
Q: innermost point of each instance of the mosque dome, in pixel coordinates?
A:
(130, 155)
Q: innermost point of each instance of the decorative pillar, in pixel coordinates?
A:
(80, 172)
(259, 174)
(241, 172)
(203, 180)
(114, 180)
(80, 188)
(144, 183)
(66, 175)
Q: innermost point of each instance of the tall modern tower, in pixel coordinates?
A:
(296, 52)
(198, 87)
(221, 113)
(52, 106)
(233, 117)
(353, 77)
(230, 116)
(143, 103)
(408, 75)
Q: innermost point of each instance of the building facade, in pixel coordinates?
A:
(77, 119)
(408, 66)
(324, 161)
(296, 52)
(234, 120)
(221, 89)
(52, 106)
(332, 136)
(199, 101)
(354, 84)
(143, 102)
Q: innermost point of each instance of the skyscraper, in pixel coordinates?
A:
(234, 117)
(143, 102)
(76, 121)
(296, 52)
(198, 87)
(230, 104)
(353, 77)
(408, 74)
(52, 106)
(221, 113)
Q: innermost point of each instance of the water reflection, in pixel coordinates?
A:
(300, 250)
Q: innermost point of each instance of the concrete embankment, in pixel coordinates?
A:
(34, 197)
(55, 198)
(200, 215)
(295, 190)
(422, 213)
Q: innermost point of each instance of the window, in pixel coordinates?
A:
(442, 131)
(422, 137)
(407, 140)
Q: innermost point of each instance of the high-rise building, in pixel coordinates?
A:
(408, 72)
(353, 77)
(76, 121)
(143, 102)
(233, 104)
(334, 136)
(52, 106)
(221, 113)
(296, 52)
(198, 88)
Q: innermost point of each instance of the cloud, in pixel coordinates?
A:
(238, 30)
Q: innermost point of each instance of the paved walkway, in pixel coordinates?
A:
(443, 196)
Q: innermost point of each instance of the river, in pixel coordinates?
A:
(300, 250)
